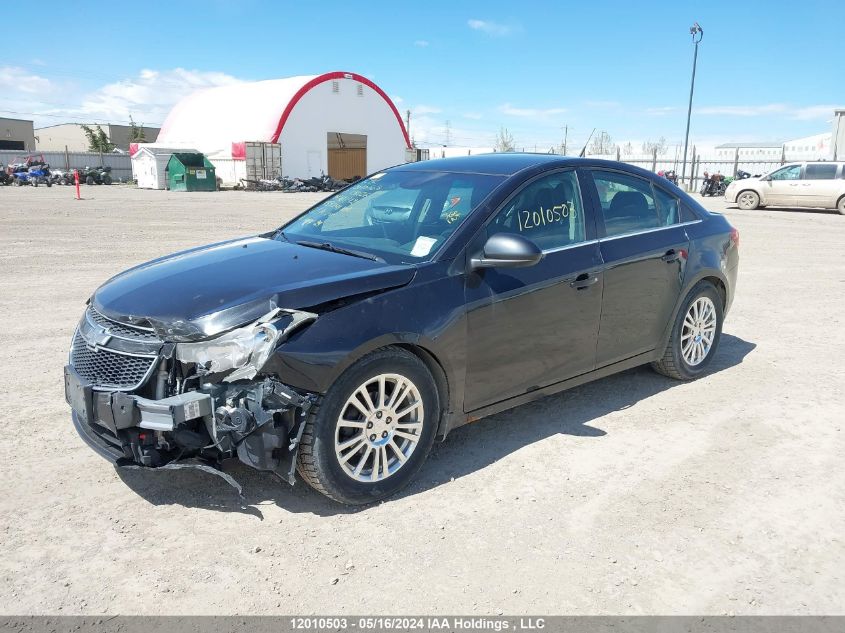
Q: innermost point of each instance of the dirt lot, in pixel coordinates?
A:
(633, 494)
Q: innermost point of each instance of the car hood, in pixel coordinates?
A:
(203, 292)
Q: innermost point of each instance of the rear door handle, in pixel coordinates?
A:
(584, 280)
(671, 256)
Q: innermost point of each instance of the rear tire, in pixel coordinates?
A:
(360, 454)
(747, 200)
(695, 334)
(840, 206)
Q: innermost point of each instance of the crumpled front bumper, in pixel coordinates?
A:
(101, 442)
(100, 416)
(128, 429)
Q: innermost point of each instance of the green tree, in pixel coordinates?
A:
(97, 139)
(136, 132)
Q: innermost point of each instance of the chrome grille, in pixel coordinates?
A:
(121, 330)
(105, 368)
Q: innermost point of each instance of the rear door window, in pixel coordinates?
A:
(820, 171)
(629, 204)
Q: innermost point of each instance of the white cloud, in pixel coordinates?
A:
(425, 109)
(491, 28)
(147, 98)
(741, 110)
(510, 110)
(802, 113)
(821, 112)
(475, 116)
(660, 111)
(421, 43)
(17, 80)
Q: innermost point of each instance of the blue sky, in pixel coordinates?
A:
(767, 70)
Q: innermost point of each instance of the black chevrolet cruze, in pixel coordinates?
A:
(425, 296)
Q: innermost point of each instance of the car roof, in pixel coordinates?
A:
(499, 163)
(510, 163)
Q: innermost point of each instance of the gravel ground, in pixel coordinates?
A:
(633, 494)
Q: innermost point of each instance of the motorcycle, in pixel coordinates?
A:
(713, 185)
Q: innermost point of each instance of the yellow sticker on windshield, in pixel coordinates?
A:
(452, 216)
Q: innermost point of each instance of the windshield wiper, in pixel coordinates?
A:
(325, 246)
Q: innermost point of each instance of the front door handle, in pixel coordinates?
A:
(584, 280)
(671, 256)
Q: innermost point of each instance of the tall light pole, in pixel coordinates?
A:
(697, 33)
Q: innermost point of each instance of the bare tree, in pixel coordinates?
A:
(628, 149)
(504, 141)
(602, 143)
(659, 145)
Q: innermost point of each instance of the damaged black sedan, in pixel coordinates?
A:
(341, 345)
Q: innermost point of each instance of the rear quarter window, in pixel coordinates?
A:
(820, 171)
(687, 214)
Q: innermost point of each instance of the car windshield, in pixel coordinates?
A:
(396, 216)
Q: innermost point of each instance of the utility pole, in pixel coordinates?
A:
(408, 122)
(697, 33)
(448, 133)
(565, 136)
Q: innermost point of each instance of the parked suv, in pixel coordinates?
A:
(820, 184)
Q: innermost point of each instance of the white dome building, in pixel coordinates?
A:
(337, 123)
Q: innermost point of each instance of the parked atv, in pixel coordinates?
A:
(62, 176)
(40, 175)
(96, 175)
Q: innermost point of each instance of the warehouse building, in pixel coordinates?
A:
(750, 150)
(17, 134)
(72, 136)
(338, 123)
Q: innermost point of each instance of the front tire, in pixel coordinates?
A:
(695, 334)
(840, 206)
(373, 429)
(748, 200)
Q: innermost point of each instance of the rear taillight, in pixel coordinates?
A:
(735, 238)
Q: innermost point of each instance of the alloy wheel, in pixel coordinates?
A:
(698, 331)
(379, 427)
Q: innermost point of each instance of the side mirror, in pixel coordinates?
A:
(507, 250)
(767, 178)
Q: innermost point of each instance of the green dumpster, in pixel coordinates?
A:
(190, 171)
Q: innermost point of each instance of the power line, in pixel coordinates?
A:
(79, 118)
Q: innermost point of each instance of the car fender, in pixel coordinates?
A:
(429, 317)
(690, 280)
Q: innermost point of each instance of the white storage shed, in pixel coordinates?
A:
(337, 123)
(149, 162)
